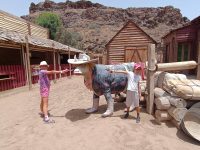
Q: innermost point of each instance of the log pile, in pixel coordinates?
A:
(168, 105)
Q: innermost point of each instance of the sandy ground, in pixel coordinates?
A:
(21, 128)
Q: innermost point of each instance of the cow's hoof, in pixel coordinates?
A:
(107, 114)
(91, 110)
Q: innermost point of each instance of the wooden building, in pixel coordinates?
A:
(17, 24)
(22, 46)
(183, 44)
(128, 45)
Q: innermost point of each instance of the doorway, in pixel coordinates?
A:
(136, 54)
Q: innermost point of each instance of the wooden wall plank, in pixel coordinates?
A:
(14, 23)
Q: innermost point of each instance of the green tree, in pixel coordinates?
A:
(51, 21)
(70, 38)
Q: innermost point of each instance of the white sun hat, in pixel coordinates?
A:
(43, 63)
(82, 59)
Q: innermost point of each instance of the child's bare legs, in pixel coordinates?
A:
(45, 107)
(41, 105)
(138, 114)
(127, 113)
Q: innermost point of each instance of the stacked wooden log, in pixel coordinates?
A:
(169, 106)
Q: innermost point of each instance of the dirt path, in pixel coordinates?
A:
(21, 128)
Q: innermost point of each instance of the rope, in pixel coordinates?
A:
(154, 69)
(188, 86)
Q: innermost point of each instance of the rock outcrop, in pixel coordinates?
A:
(98, 24)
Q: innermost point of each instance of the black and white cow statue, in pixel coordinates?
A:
(99, 79)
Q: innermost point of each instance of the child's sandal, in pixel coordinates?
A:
(49, 121)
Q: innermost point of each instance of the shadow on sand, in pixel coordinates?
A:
(76, 114)
(79, 114)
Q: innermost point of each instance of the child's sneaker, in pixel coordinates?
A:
(42, 114)
(138, 120)
(48, 120)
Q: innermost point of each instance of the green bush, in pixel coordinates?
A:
(51, 21)
(66, 37)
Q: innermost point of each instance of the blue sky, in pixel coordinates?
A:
(189, 8)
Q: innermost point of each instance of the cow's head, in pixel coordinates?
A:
(84, 66)
(86, 71)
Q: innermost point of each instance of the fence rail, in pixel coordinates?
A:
(11, 76)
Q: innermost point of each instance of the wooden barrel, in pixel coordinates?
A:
(191, 122)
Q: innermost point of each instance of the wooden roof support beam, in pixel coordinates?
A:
(70, 67)
(54, 62)
(198, 53)
(25, 63)
(28, 63)
(59, 66)
(150, 77)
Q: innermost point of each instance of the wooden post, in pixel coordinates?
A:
(150, 77)
(198, 54)
(54, 64)
(58, 54)
(25, 64)
(28, 64)
(70, 67)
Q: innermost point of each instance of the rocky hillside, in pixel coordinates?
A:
(97, 24)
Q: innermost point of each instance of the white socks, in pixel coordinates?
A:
(46, 118)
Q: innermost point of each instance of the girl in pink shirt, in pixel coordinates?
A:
(44, 89)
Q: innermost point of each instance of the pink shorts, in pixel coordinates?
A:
(44, 92)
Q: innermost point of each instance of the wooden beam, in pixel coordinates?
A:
(25, 64)
(175, 66)
(9, 45)
(150, 77)
(70, 67)
(198, 54)
(28, 63)
(59, 66)
(54, 65)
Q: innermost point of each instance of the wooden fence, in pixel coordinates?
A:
(11, 76)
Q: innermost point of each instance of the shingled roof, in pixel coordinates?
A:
(11, 37)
